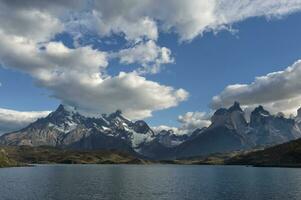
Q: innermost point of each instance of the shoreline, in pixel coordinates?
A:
(161, 163)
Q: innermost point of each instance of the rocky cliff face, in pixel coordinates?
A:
(232, 118)
(227, 132)
(298, 118)
(270, 129)
(230, 131)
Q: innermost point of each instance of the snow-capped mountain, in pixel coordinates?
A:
(67, 128)
(164, 145)
(229, 130)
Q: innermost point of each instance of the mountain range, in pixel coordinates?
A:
(229, 131)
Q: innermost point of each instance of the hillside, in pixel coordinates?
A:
(48, 155)
(5, 161)
(287, 154)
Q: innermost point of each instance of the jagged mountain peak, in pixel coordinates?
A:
(141, 126)
(299, 113)
(66, 108)
(63, 119)
(221, 111)
(235, 107)
(60, 108)
(259, 110)
(298, 117)
(259, 116)
(117, 116)
(224, 111)
(63, 113)
(228, 116)
(63, 110)
(59, 111)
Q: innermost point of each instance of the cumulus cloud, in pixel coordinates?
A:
(11, 120)
(189, 122)
(78, 76)
(186, 18)
(129, 92)
(26, 21)
(133, 30)
(277, 91)
(74, 76)
(52, 60)
(150, 56)
(138, 19)
(194, 120)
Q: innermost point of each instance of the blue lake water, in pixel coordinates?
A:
(149, 182)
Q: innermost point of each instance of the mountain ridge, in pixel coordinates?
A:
(229, 131)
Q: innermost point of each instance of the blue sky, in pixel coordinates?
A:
(209, 63)
(204, 65)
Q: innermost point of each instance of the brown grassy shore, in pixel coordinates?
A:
(17, 155)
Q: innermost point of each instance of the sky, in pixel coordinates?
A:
(170, 63)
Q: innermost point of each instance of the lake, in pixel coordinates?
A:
(148, 182)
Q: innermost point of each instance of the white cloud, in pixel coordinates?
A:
(79, 76)
(11, 120)
(133, 30)
(138, 19)
(158, 129)
(53, 60)
(186, 18)
(30, 23)
(74, 76)
(148, 55)
(277, 91)
(193, 120)
(133, 94)
(189, 122)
